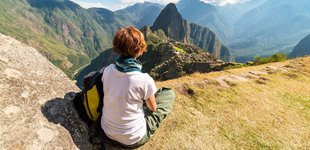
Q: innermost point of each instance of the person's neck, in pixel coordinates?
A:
(127, 64)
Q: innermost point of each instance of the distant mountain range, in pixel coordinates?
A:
(250, 29)
(71, 36)
(176, 28)
(140, 14)
(253, 28)
(67, 34)
(206, 15)
(274, 26)
(171, 49)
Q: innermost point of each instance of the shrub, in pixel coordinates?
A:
(274, 58)
(260, 60)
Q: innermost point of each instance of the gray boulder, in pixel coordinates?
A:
(34, 112)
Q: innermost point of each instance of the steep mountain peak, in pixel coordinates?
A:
(175, 27)
(168, 14)
(171, 6)
(172, 23)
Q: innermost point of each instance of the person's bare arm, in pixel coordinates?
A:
(151, 103)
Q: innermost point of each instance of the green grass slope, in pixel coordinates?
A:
(259, 107)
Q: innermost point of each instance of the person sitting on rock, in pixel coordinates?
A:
(133, 107)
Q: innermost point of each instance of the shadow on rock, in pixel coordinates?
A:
(62, 111)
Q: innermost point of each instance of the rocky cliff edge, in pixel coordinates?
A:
(34, 114)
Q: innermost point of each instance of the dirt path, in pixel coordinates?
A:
(228, 80)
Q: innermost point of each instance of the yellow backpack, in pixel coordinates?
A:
(89, 102)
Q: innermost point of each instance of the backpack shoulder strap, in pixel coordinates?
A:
(101, 94)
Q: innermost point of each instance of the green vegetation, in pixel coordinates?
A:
(153, 39)
(274, 58)
(278, 57)
(68, 35)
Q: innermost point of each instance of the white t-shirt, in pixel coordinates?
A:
(122, 114)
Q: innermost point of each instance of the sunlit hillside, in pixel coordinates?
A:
(261, 107)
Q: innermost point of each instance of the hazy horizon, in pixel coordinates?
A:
(120, 4)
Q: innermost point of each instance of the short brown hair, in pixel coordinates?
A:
(129, 41)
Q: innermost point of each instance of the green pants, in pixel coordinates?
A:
(164, 98)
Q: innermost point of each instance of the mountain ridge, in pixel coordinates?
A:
(68, 35)
(172, 45)
(274, 26)
(176, 28)
(61, 30)
(162, 53)
(140, 14)
(207, 15)
(302, 48)
(253, 28)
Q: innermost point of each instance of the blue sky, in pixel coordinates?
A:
(118, 4)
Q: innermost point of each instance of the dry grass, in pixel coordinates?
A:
(250, 115)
